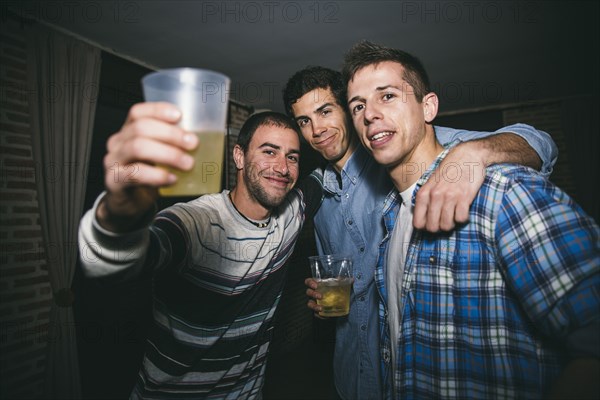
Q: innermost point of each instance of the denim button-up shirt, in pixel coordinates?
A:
(349, 222)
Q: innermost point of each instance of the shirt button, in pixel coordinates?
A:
(350, 222)
(362, 249)
(363, 327)
(347, 195)
(359, 276)
(362, 298)
(386, 356)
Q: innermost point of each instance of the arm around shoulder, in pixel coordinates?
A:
(533, 141)
(517, 143)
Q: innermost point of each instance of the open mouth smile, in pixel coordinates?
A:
(380, 138)
(381, 135)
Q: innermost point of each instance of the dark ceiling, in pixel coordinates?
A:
(478, 53)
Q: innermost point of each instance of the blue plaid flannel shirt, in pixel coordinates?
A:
(487, 307)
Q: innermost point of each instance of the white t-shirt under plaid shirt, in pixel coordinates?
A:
(396, 258)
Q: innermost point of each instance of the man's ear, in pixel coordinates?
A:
(430, 106)
(238, 157)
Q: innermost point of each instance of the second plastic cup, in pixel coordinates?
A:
(202, 96)
(334, 280)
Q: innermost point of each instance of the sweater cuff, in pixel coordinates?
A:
(104, 253)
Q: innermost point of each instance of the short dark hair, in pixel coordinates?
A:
(269, 118)
(366, 53)
(309, 79)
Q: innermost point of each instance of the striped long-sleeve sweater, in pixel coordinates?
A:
(217, 282)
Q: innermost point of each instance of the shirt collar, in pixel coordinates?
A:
(352, 171)
(434, 165)
(393, 198)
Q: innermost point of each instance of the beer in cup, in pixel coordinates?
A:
(334, 281)
(202, 96)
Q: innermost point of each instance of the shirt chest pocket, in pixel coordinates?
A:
(431, 283)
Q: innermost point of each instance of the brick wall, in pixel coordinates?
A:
(238, 114)
(25, 293)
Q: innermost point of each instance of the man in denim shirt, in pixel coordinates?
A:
(349, 220)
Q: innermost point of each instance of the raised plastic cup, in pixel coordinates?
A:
(202, 96)
(334, 279)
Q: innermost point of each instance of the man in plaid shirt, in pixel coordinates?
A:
(506, 305)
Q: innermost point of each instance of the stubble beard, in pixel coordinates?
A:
(258, 192)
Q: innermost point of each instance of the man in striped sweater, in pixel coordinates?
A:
(218, 261)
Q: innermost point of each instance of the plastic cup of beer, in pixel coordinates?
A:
(334, 279)
(202, 96)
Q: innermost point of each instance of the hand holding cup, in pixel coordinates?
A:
(149, 136)
(333, 277)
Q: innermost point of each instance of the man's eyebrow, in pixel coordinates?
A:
(355, 98)
(324, 106)
(276, 147)
(299, 117)
(318, 110)
(267, 144)
(378, 89)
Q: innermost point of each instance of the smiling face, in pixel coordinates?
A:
(269, 167)
(325, 126)
(390, 122)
